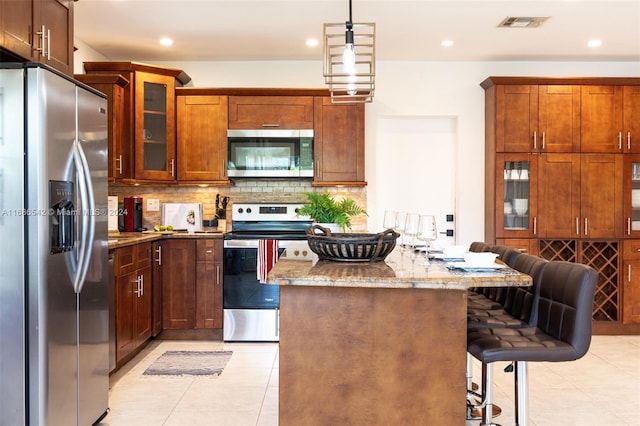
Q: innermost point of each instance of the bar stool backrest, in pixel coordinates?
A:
(565, 306)
(522, 302)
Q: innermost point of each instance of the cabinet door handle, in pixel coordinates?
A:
(224, 168)
(42, 35)
(119, 166)
(543, 141)
(217, 274)
(535, 140)
(586, 226)
(535, 225)
(159, 258)
(577, 226)
(48, 45)
(141, 285)
(620, 141)
(172, 164)
(629, 272)
(628, 226)
(629, 141)
(137, 290)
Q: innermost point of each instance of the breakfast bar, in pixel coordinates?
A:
(371, 343)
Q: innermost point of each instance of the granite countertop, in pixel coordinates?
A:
(123, 239)
(399, 270)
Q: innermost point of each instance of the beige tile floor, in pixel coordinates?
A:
(603, 388)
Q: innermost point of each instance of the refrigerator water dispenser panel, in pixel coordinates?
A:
(62, 216)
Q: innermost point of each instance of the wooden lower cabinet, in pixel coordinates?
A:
(192, 284)
(156, 297)
(631, 282)
(133, 298)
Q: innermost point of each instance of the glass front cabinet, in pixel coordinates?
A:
(155, 127)
(632, 195)
(516, 195)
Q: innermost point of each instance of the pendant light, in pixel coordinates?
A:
(349, 61)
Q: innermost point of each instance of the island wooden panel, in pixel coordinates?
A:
(365, 356)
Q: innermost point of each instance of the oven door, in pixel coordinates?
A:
(250, 307)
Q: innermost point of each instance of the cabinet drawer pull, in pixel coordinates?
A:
(270, 125)
(209, 251)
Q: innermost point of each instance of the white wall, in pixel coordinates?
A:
(449, 89)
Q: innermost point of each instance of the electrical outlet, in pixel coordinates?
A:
(153, 205)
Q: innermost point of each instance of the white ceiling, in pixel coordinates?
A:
(236, 30)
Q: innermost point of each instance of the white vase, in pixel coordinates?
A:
(333, 227)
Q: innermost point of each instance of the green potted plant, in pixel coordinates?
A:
(324, 209)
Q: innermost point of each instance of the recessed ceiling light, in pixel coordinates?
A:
(594, 43)
(312, 42)
(166, 41)
(446, 43)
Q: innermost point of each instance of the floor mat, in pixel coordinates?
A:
(191, 363)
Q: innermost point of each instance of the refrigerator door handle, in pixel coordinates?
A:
(87, 215)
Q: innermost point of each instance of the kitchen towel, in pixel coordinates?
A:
(267, 257)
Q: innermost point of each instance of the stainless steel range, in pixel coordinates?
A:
(250, 306)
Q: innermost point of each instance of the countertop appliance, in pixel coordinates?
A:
(132, 214)
(251, 307)
(54, 315)
(273, 153)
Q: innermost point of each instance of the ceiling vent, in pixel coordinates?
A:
(522, 21)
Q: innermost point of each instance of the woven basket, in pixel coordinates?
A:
(350, 247)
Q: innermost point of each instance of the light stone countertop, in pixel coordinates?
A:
(399, 270)
(123, 239)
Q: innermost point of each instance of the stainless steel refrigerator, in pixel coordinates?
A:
(54, 319)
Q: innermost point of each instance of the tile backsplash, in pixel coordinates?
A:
(242, 191)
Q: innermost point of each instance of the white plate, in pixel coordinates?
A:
(465, 266)
(442, 257)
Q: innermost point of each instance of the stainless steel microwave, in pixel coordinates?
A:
(270, 153)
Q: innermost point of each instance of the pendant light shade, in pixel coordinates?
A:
(349, 61)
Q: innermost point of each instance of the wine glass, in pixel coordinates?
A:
(389, 221)
(427, 232)
(411, 227)
(401, 222)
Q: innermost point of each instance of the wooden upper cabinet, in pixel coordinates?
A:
(39, 31)
(149, 118)
(631, 119)
(601, 119)
(16, 22)
(266, 112)
(113, 85)
(601, 196)
(559, 196)
(516, 117)
(338, 143)
(580, 196)
(202, 138)
(559, 119)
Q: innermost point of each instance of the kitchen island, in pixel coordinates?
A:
(381, 343)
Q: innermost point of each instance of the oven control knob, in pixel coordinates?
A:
(297, 253)
(240, 210)
(248, 209)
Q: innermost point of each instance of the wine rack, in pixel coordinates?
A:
(604, 257)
